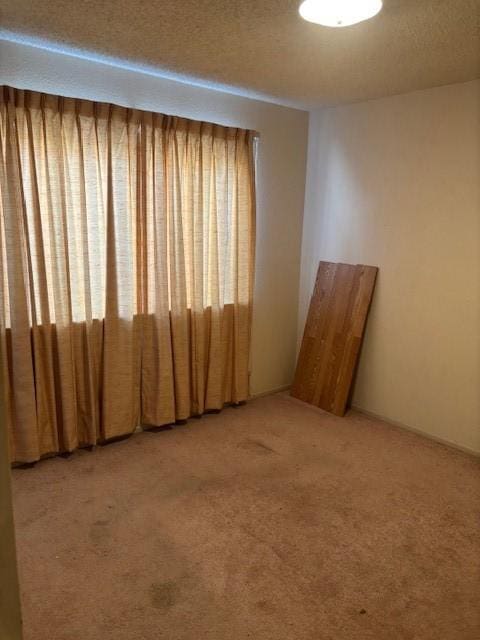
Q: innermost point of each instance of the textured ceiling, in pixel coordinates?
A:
(265, 47)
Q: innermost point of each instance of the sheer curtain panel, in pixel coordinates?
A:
(127, 253)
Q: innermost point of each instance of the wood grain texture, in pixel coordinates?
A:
(333, 335)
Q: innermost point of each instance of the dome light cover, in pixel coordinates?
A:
(339, 13)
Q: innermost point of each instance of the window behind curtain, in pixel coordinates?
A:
(96, 178)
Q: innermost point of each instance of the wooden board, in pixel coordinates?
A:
(333, 335)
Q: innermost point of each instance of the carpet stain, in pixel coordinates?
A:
(256, 446)
(163, 595)
(36, 516)
(187, 485)
(99, 533)
(266, 606)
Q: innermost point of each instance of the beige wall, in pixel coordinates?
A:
(10, 616)
(396, 183)
(281, 177)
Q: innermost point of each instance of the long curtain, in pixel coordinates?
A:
(127, 251)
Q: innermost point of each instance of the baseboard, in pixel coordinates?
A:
(270, 392)
(419, 432)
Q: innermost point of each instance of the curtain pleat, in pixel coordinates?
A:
(127, 252)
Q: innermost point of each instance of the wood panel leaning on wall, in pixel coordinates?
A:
(126, 272)
(333, 335)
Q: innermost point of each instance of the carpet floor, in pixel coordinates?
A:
(272, 521)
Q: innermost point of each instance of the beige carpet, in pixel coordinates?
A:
(271, 521)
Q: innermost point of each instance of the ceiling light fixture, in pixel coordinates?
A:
(339, 13)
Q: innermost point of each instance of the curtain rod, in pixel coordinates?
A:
(5, 88)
